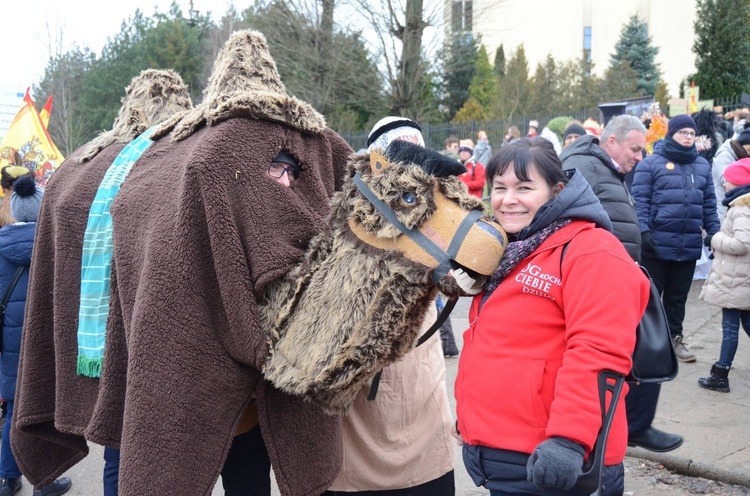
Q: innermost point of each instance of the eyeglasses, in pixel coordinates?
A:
(687, 134)
(277, 170)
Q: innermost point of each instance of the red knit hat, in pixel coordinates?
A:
(739, 172)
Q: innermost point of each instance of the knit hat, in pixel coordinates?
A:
(574, 129)
(10, 173)
(743, 138)
(390, 128)
(466, 149)
(739, 172)
(682, 121)
(25, 200)
(534, 124)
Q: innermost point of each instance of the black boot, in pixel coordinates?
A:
(448, 340)
(717, 381)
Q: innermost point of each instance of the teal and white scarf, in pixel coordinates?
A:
(96, 263)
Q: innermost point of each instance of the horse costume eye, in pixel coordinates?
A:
(409, 198)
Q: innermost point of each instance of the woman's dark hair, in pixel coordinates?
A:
(522, 154)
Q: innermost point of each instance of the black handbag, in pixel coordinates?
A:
(654, 359)
(6, 299)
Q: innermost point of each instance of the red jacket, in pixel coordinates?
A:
(474, 178)
(529, 365)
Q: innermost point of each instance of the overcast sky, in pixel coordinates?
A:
(29, 27)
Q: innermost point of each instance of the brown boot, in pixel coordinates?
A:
(683, 354)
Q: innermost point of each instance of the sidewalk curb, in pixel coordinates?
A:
(691, 468)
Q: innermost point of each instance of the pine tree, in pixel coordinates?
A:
(634, 47)
(513, 87)
(482, 90)
(460, 67)
(620, 82)
(722, 42)
(662, 94)
(543, 89)
(499, 67)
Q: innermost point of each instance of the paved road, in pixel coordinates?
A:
(715, 425)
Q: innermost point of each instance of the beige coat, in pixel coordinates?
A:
(728, 283)
(402, 438)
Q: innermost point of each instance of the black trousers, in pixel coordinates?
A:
(442, 486)
(247, 469)
(673, 280)
(640, 406)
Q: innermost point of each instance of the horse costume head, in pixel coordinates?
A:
(400, 230)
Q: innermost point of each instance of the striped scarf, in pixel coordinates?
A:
(96, 263)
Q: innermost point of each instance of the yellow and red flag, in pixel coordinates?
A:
(27, 138)
(46, 111)
(693, 102)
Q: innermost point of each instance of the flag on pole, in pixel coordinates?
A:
(46, 111)
(27, 138)
(693, 102)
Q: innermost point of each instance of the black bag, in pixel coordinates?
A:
(654, 360)
(6, 299)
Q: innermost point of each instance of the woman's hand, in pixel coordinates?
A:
(457, 435)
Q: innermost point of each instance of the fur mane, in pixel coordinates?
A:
(244, 83)
(151, 97)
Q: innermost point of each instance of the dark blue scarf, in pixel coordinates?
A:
(678, 153)
(735, 193)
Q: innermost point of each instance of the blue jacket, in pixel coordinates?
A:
(16, 243)
(673, 201)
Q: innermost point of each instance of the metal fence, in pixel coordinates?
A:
(435, 133)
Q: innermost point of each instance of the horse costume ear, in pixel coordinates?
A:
(378, 163)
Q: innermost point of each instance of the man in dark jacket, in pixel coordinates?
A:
(604, 163)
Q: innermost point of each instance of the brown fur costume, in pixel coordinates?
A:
(200, 230)
(53, 404)
(326, 351)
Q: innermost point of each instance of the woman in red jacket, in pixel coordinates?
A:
(545, 326)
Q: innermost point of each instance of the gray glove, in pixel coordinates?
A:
(556, 463)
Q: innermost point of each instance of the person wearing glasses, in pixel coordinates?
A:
(283, 169)
(675, 201)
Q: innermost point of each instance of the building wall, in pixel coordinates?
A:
(556, 27)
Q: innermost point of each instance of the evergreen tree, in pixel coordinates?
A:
(513, 87)
(460, 66)
(662, 95)
(634, 47)
(499, 66)
(543, 89)
(346, 88)
(620, 83)
(722, 42)
(482, 90)
(64, 77)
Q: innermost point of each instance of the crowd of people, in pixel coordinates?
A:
(580, 212)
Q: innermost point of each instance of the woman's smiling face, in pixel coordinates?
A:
(515, 202)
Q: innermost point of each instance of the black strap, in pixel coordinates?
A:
(444, 314)
(6, 299)
(443, 258)
(9, 290)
